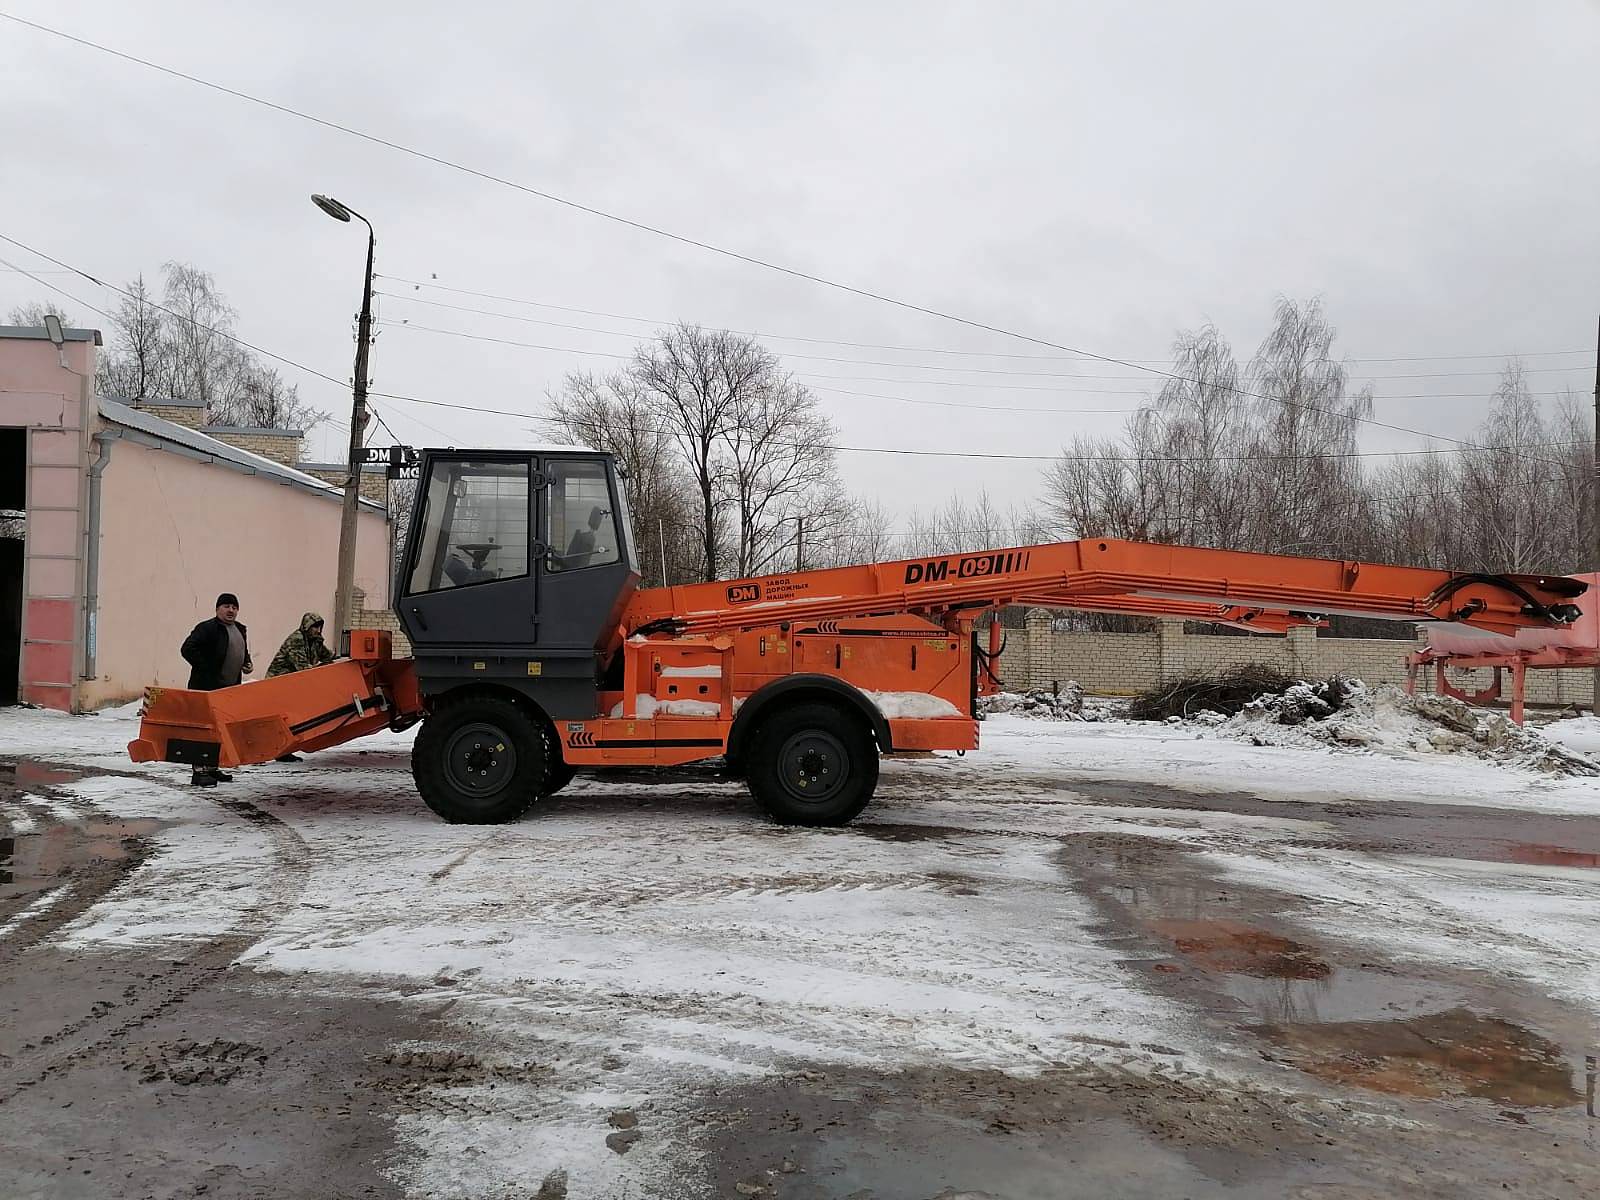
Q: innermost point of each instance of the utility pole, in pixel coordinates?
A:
(800, 545)
(1594, 496)
(343, 598)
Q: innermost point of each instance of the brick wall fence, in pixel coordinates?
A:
(1124, 664)
(374, 478)
(282, 446)
(191, 414)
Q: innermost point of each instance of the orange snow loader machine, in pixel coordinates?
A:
(536, 654)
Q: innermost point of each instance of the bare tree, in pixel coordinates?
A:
(1305, 477)
(961, 525)
(199, 333)
(863, 534)
(614, 413)
(696, 379)
(185, 348)
(32, 314)
(135, 364)
(780, 472)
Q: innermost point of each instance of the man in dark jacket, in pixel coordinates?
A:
(218, 654)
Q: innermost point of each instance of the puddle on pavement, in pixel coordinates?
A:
(32, 862)
(1368, 1024)
(1550, 856)
(1440, 1055)
(54, 850)
(22, 773)
(1472, 832)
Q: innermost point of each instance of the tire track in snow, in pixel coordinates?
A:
(85, 1037)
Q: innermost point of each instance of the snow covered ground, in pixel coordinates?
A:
(650, 935)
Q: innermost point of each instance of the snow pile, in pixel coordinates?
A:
(1065, 705)
(647, 706)
(1224, 692)
(1346, 713)
(912, 704)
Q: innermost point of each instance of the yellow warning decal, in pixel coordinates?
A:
(536, 668)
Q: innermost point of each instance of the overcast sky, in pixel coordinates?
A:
(1100, 175)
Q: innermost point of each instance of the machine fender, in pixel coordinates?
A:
(805, 687)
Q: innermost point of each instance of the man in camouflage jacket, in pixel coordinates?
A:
(302, 649)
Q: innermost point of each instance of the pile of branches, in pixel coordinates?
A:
(1226, 693)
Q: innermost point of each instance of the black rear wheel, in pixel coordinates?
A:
(480, 760)
(812, 765)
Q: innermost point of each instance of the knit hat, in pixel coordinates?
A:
(227, 598)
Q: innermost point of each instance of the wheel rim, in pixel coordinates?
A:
(813, 766)
(480, 760)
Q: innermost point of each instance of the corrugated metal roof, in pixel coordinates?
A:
(204, 446)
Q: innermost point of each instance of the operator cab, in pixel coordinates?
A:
(516, 565)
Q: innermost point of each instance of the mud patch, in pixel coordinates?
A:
(188, 1063)
(953, 883)
(889, 832)
(1113, 1133)
(1458, 1053)
(1235, 948)
(1351, 1018)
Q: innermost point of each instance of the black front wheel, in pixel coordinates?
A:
(812, 765)
(480, 760)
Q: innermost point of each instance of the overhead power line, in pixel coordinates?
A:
(659, 324)
(946, 383)
(978, 454)
(682, 239)
(898, 451)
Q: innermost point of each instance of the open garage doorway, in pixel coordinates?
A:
(13, 532)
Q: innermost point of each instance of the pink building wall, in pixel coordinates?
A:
(174, 532)
(51, 401)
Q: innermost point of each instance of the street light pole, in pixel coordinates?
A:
(343, 607)
(1594, 500)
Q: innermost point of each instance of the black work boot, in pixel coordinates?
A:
(221, 776)
(288, 758)
(203, 777)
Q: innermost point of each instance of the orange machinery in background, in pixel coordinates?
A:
(1531, 648)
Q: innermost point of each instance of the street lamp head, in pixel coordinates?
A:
(332, 207)
(52, 329)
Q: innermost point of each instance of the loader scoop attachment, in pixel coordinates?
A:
(260, 721)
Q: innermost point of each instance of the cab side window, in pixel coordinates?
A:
(583, 525)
